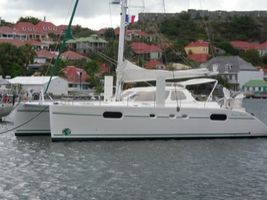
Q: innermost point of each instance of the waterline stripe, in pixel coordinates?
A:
(248, 118)
(151, 135)
(147, 116)
(33, 110)
(31, 130)
(76, 114)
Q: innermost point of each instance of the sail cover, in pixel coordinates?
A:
(129, 72)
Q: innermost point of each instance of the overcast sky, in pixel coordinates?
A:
(97, 14)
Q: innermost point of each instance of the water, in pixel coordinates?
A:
(35, 168)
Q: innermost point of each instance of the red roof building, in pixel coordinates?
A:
(104, 68)
(45, 54)
(143, 48)
(243, 45)
(154, 64)
(29, 31)
(199, 58)
(6, 32)
(15, 42)
(198, 51)
(75, 75)
(198, 47)
(148, 51)
(71, 55)
(198, 43)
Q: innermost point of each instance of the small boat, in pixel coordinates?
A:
(6, 105)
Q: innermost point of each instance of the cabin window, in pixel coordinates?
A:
(145, 96)
(177, 95)
(112, 115)
(148, 96)
(218, 117)
(126, 94)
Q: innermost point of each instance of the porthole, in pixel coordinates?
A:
(112, 115)
(172, 116)
(152, 116)
(218, 117)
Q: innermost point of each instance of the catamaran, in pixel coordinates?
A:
(162, 111)
(153, 112)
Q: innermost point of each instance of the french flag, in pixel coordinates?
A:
(129, 19)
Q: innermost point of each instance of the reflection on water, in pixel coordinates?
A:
(35, 168)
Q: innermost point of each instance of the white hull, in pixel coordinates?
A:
(87, 122)
(32, 119)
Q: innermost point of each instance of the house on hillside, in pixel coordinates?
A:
(71, 55)
(37, 45)
(7, 32)
(198, 47)
(236, 70)
(77, 79)
(137, 34)
(198, 51)
(148, 52)
(44, 31)
(40, 31)
(41, 58)
(245, 46)
(85, 45)
(154, 64)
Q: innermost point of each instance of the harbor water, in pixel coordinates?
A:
(35, 168)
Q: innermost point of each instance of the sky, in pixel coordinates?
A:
(96, 14)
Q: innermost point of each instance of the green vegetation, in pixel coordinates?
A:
(14, 60)
(30, 19)
(78, 31)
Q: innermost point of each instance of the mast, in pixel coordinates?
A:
(67, 36)
(121, 49)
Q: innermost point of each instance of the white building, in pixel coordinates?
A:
(236, 70)
(31, 84)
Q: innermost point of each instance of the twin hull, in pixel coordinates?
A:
(32, 119)
(81, 122)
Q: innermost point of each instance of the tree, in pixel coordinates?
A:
(93, 69)
(30, 19)
(228, 48)
(26, 54)
(264, 60)
(14, 60)
(252, 56)
(109, 34)
(79, 31)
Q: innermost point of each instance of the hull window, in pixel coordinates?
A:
(112, 115)
(152, 116)
(218, 117)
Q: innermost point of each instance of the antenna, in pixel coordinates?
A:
(164, 7)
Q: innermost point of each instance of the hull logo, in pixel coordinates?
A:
(66, 131)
